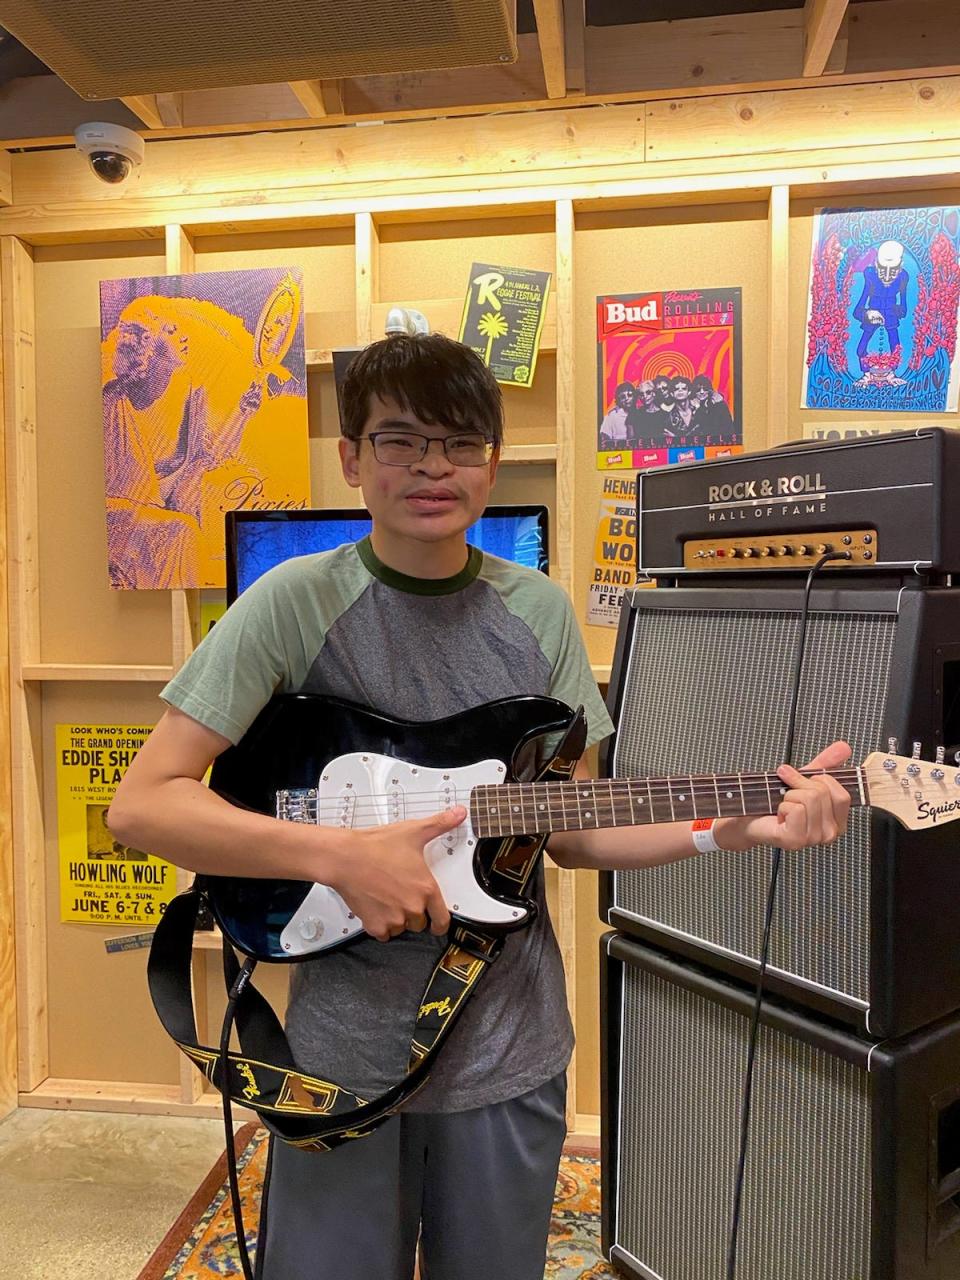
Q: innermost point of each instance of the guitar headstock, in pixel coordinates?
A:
(917, 793)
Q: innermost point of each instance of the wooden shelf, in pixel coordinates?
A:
(120, 1097)
(528, 453)
(96, 671)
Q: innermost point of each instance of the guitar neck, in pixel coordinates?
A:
(517, 808)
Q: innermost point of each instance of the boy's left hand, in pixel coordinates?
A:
(814, 810)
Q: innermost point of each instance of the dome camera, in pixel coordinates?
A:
(111, 150)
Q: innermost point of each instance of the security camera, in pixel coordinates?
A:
(111, 150)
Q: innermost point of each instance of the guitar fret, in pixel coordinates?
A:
(673, 816)
(743, 799)
(693, 795)
(766, 783)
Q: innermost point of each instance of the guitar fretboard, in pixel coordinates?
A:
(528, 807)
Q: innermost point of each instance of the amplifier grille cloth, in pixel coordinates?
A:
(707, 692)
(806, 1207)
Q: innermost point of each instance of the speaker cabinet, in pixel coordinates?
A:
(853, 1168)
(867, 930)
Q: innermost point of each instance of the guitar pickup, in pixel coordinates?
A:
(448, 798)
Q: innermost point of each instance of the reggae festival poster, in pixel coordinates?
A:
(204, 411)
(882, 310)
(669, 377)
(101, 880)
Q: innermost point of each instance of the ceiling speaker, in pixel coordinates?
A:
(119, 48)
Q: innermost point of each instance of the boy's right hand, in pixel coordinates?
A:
(385, 881)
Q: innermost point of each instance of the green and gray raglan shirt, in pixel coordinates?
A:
(343, 624)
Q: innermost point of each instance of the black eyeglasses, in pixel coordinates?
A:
(402, 448)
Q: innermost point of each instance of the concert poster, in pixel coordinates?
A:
(204, 411)
(502, 320)
(101, 880)
(669, 377)
(882, 310)
(615, 551)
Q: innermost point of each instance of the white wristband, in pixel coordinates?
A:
(702, 832)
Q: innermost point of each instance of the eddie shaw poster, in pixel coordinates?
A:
(882, 310)
(204, 411)
(669, 377)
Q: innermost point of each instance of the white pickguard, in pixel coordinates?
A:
(367, 790)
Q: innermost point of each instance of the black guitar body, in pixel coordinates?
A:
(297, 735)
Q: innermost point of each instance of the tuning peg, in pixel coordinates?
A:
(941, 752)
(916, 750)
(892, 746)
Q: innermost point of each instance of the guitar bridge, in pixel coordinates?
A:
(297, 805)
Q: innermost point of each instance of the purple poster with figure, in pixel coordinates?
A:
(204, 412)
(882, 310)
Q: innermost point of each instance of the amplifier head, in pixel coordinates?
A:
(882, 498)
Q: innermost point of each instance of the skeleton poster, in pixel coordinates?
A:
(668, 375)
(882, 310)
(204, 411)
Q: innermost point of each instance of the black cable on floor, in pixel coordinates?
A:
(236, 990)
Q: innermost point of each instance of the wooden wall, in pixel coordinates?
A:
(706, 192)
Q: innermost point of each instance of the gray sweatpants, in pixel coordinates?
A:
(476, 1186)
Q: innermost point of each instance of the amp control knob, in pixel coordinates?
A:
(785, 551)
(766, 551)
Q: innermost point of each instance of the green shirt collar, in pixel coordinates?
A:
(419, 586)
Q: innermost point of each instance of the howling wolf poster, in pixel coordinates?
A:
(882, 310)
(204, 411)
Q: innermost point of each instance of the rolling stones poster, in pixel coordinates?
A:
(669, 377)
(204, 411)
(882, 310)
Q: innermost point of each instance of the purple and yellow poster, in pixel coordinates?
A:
(204, 411)
(882, 310)
(668, 372)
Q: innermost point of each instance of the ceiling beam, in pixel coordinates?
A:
(574, 22)
(550, 33)
(821, 26)
(170, 107)
(145, 108)
(319, 98)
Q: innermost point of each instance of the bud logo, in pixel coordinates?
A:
(616, 315)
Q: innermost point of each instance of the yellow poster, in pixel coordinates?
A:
(614, 551)
(101, 880)
(204, 412)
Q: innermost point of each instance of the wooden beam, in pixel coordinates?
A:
(6, 178)
(367, 274)
(574, 31)
(319, 98)
(20, 432)
(170, 109)
(146, 108)
(778, 317)
(9, 1076)
(821, 24)
(550, 34)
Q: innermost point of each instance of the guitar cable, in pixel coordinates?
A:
(747, 1097)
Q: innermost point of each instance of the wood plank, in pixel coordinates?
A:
(821, 24)
(319, 98)
(86, 671)
(6, 178)
(751, 124)
(574, 46)
(366, 268)
(170, 109)
(550, 36)
(533, 453)
(124, 1099)
(9, 1032)
(778, 315)
(896, 35)
(146, 108)
(29, 853)
(184, 605)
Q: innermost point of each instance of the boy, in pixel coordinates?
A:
(415, 624)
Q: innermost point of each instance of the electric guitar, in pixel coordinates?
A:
(330, 762)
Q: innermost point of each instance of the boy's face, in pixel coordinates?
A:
(420, 511)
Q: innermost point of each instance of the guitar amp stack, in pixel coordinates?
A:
(853, 1169)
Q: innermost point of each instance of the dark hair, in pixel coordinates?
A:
(626, 386)
(701, 383)
(681, 377)
(441, 381)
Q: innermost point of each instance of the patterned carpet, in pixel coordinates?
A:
(200, 1244)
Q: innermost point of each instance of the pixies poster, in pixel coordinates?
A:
(882, 311)
(668, 370)
(204, 411)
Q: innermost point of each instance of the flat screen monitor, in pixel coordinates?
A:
(258, 540)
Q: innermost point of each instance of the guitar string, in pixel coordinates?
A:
(564, 797)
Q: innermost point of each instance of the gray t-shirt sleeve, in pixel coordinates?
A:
(265, 642)
(574, 682)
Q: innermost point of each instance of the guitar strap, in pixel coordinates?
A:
(310, 1113)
